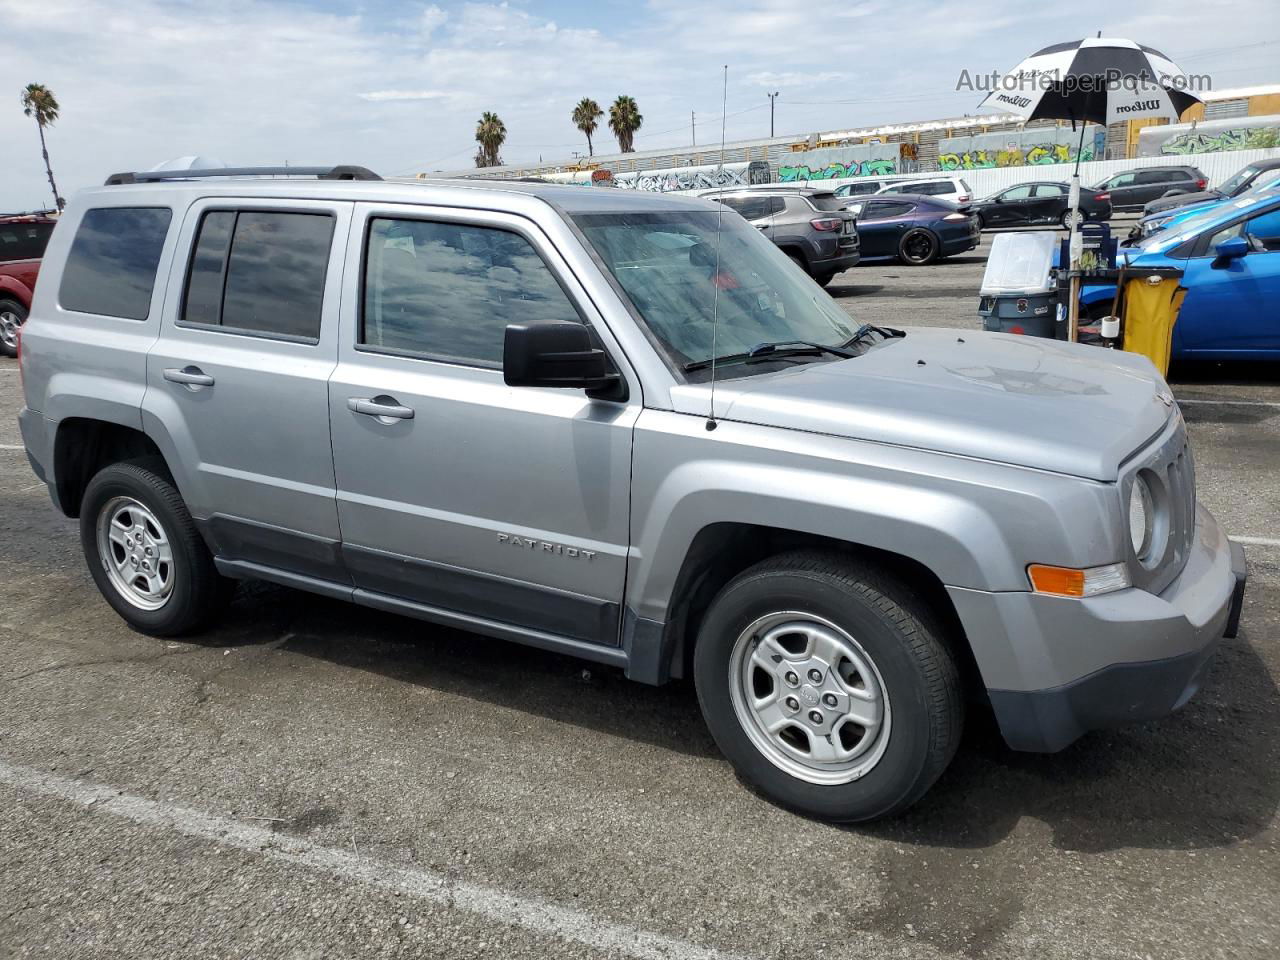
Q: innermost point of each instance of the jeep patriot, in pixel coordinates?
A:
(624, 427)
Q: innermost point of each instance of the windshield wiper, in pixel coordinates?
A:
(888, 333)
(771, 350)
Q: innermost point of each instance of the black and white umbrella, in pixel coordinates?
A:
(1096, 80)
(1101, 80)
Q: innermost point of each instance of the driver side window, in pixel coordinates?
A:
(1263, 232)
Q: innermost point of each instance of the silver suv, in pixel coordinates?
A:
(620, 426)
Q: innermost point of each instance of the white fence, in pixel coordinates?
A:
(1216, 166)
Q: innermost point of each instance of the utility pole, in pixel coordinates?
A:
(772, 97)
(693, 128)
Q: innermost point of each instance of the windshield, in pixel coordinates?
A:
(1184, 226)
(666, 263)
(1234, 184)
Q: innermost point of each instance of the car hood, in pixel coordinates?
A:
(1164, 204)
(1027, 401)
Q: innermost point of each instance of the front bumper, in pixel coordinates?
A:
(1056, 668)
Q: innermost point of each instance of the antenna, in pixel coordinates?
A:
(715, 277)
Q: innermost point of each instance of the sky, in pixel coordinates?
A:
(399, 86)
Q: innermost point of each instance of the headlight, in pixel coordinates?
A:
(1141, 516)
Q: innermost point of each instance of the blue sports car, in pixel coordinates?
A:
(1230, 258)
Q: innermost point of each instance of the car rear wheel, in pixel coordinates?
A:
(824, 278)
(1067, 219)
(144, 551)
(12, 316)
(827, 686)
(918, 247)
(798, 261)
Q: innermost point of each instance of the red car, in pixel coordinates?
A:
(22, 242)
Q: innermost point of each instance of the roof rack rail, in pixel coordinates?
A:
(341, 172)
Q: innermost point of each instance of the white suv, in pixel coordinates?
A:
(949, 188)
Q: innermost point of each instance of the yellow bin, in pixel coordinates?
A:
(1151, 307)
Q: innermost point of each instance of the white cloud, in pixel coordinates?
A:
(790, 79)
(376, 95)
(262, 81)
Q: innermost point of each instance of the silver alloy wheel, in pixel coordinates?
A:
(136, 553)
(810, 697)
(9, 324)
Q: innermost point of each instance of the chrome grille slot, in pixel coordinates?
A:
(1170, 465)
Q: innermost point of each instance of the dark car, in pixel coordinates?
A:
(1132, 189)
(1254, 175)
(809, 226)
(914, 229)
(1027, 204)
(23, 238)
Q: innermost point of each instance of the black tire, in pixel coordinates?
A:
(824, 278)
(798, 261)
(901, 636)
(198, 591)
(10, 309)
(1065, 219)
(918, 247)
(982, 224)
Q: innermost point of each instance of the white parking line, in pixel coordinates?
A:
(1229, 403)
(10, 446)
(1258, 541)
(536, 916)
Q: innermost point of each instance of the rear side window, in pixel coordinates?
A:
(24, 241)
(749, 208)
(883, 209)
(447, 291)
(827, 202)
(260, 272)
(111, 269)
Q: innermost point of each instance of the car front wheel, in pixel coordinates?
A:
(144, 552)
(827, 686)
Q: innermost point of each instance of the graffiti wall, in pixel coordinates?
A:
(835, 163)
(1013, 148)
(705, 177)
(1213, 136)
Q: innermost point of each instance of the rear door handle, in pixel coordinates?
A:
(384, 408)
(189, 376)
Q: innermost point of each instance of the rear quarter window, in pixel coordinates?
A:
(23, 241)
(111, 269)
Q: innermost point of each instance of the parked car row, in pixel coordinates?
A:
(825, 233)
(1229, 255)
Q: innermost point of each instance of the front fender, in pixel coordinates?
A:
(972, 523)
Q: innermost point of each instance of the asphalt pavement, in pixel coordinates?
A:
(313, 779)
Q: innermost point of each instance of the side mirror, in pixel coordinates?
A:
(998, 199)
(1232, 248)
(558, 355)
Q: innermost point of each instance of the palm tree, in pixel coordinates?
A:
(624, 121)
(585, 115)
(491, 133)
(38, 101)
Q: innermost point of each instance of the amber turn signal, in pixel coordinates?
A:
(1070, 582)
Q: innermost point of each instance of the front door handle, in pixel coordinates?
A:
(384, 408)
(188, 376)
